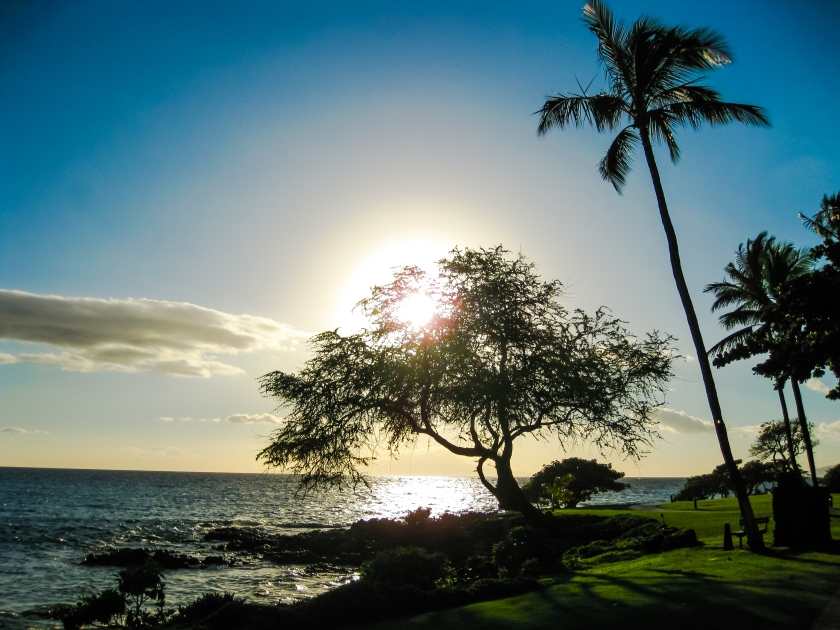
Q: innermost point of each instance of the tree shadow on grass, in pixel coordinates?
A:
(683, 599)
(794, 553)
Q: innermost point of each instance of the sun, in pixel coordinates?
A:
(377, 267)
(417, 309)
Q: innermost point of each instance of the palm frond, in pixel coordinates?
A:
(728, 293)
(731, 341)
(603, 111)
(742, 316)
(660, 125)
(615, 166)
(826, 222)
(687, 92)
(783, 263)
(612, 43)
(695, 113)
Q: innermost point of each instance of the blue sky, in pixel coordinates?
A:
(258, 165)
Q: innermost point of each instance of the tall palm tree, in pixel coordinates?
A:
(754, 281)
(653, 72)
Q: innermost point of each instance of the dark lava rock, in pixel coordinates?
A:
(164, 559)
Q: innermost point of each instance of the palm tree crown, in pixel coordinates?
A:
(826, 223)
(760, 270)
(653, 73)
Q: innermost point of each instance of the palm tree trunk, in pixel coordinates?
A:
(803, 426)
(793, 465)
(754, 539)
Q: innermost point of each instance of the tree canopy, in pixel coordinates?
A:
(806, 317)
(572, 481)
(771, 444)
(499, 359)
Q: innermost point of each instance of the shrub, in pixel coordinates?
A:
(140, 584)
(521, 544)
(628, 547)
(407, 566)
(571, 481)
(420, 516)
(205, 605)
(90, 609)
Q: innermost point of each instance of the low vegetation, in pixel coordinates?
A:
(592, 567)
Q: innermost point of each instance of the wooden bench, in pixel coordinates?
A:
(760, 520)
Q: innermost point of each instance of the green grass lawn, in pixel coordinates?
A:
(703, 587)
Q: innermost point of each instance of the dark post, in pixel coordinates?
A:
(727, 538)
(695, 503)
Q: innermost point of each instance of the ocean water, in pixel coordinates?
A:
(50, 519)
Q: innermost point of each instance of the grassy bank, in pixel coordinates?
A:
(703, 587)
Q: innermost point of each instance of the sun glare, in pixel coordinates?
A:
(417, 309)
(377, 268)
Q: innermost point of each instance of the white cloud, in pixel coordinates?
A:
(817, 385)
(749, 431)
(680, 422)
(829, 430)
(246, 418)
(174, 338)
(188, 419)
(18, 430)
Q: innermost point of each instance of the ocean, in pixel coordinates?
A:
(50, 519)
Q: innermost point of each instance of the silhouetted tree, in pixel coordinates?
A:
(580, 479)
(807, 314)
(772, 444)
(758, 475)
(754, 281)
(140, 584)
(707, 486)
(653, 73)
(831, 479)
(500, 359)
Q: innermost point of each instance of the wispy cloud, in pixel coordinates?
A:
(18, 430)
(680, 422)
(174, 338)
(166, 419)
(748, 431)
(817, 385)
(246, 418)
(829, 430)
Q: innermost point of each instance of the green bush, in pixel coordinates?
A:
(628, 547)
(521, 545)
(407, 566)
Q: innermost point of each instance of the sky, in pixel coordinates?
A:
(189, 190)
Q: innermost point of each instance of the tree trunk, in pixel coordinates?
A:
(754, 539)
(794, 467)
(803, 426)
(508, 492)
